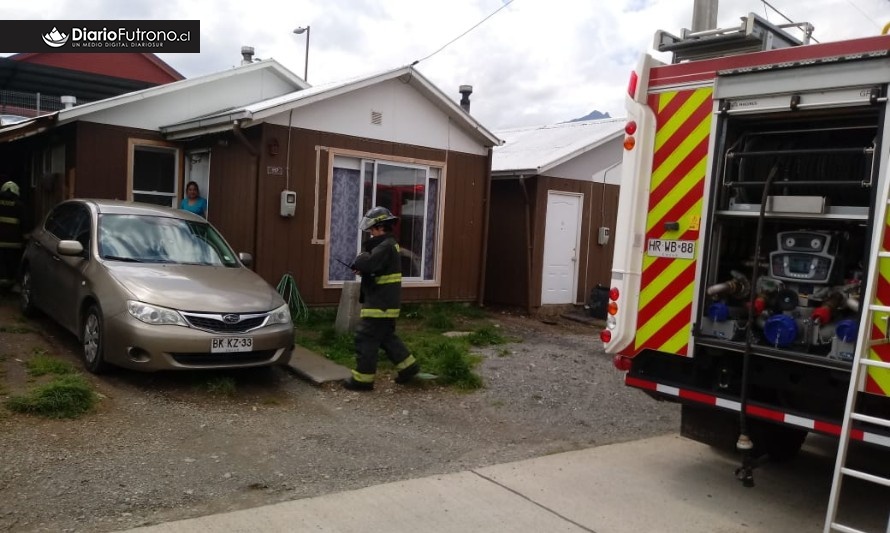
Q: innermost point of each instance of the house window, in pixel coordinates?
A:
(155, 171)
(410, 191)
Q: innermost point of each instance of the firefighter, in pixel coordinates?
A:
(379, 265)
(11, 233)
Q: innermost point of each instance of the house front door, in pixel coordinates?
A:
(561, 244)
(197, 169)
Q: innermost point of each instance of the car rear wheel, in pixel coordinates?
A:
(26, 302)
(93, 342)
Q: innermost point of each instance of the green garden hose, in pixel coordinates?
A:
(287, 288)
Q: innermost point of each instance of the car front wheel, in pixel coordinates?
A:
(26, 297)
(93, 342)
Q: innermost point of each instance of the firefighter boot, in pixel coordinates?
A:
(406, 374)
(352, 384)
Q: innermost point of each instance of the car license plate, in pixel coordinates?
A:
(669, 248)
(230, 344)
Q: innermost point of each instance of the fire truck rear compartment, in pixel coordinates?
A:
(795, 190)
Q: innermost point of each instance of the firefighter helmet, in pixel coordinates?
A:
(376, 216)
(11, 187)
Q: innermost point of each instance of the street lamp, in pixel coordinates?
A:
(300, 31)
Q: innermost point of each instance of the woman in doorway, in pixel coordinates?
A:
(193, 201)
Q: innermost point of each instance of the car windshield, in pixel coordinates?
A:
(154, 239)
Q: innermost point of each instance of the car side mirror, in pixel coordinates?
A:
(245, 258)
(70, 248)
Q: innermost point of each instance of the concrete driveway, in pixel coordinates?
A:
(663, 484)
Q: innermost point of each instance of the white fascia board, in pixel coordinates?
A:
(206, 124)
(188, 133)
(514, 174)
(68, 115)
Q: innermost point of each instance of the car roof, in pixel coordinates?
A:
(121, 207)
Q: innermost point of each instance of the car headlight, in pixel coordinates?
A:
(154, 315)
(280, 316)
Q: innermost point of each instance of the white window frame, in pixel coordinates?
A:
(434, 170)
(136, 144)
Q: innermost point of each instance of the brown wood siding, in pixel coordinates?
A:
(233, 206)
(507, 268)
(284, 245)
(101, 159)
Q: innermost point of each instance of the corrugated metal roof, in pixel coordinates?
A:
(536, 149)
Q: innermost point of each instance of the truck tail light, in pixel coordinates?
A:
(621, 362)
(629, 129)
(605, 335)
(611, 311)
(632, 84)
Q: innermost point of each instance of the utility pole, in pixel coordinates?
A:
(704, 15)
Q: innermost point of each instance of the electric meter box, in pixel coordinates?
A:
(288, 203)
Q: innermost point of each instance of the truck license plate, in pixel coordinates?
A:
(669, 248)
(230, 344)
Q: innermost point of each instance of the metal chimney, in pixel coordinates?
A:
(246, 55)
(465, 92)
(68, 101)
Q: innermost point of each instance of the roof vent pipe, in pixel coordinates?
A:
(465, 92)
(246, 55)
(68, 101)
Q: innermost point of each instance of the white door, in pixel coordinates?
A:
(561, 243)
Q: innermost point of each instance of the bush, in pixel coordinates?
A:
(453, 365)
(67, 396)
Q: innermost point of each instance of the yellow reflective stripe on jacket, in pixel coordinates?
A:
(362, 378)
(379, 313)
(10, 245)
(9, 220)
(389, 278)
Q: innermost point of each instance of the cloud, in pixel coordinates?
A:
(533, 62)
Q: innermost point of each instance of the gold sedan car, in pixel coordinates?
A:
(152, 288)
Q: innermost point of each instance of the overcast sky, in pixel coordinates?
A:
(533, 62)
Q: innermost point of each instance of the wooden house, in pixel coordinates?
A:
(554, 201)
(288, 169)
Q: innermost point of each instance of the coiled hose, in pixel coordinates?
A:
(287, 288)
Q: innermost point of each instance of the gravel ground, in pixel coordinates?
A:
(158, 448)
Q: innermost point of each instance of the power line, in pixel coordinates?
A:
(446, 45)
(767, 4)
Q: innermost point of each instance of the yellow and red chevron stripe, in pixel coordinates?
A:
(877, 380)
(683, 124)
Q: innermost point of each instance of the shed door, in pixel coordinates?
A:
(561, 233)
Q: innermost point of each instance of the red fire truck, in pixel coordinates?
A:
(752, 257)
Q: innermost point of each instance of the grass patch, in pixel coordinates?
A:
(219, 385)
(67, 396)
(420, 327)
(42, 364)
(453, 364)
(324, 340)
(486, 336)
(15, 329)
